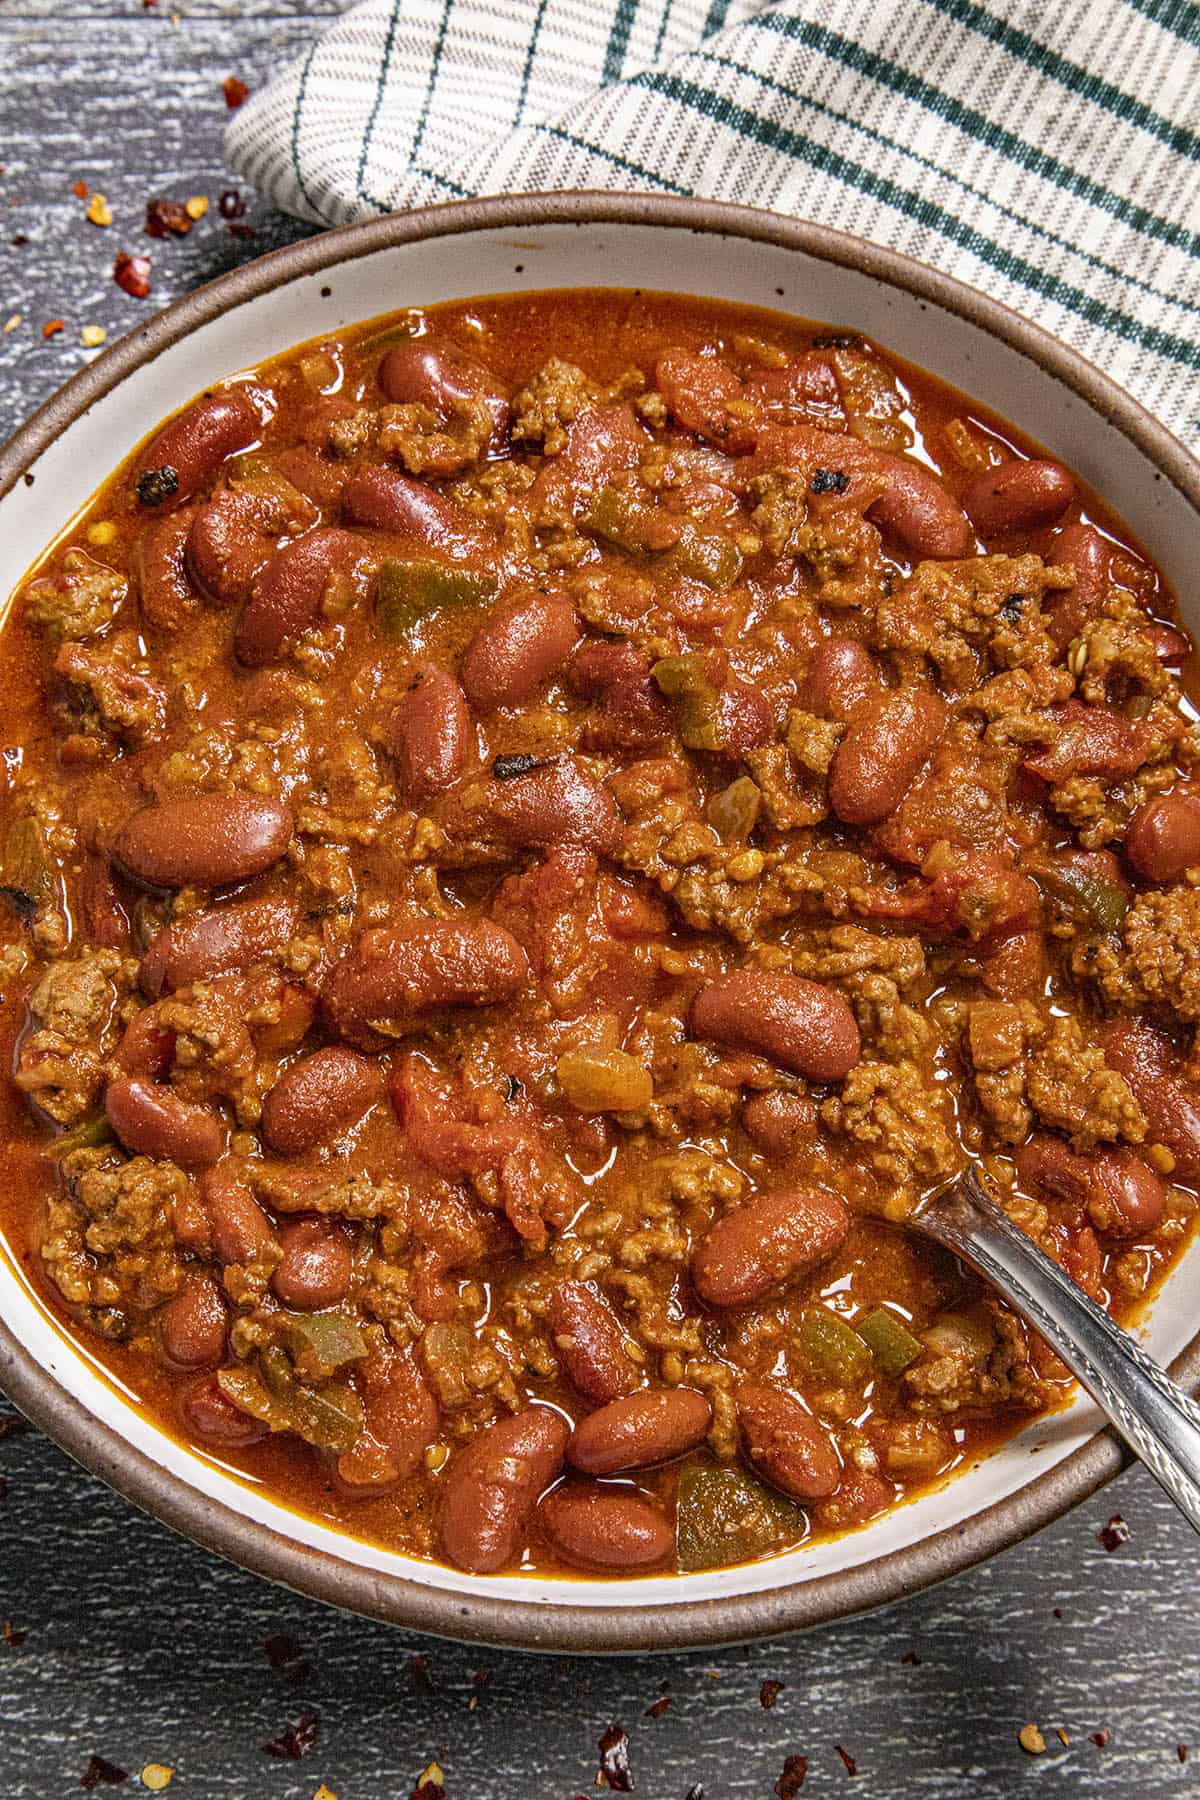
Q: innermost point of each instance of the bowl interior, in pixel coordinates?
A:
(374, 276)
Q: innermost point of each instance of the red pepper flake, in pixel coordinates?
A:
(1057, 1612)
(167, 218)
(3, 1489)
(431, 1784)
(614, 1760)
(1114, 1534)
(296, 1739)
(132, 273)
(695, 1792)
(659, 1707)
(769, 1693)
(1181, 1751)
(912, 1659)
(230, 204)
(851, 1765)
(101, 1772)
(284, 1653)
(482, 1678)
(52, 327)
(12, 1637)
(795, 1768)
(80, 190)
(418, 1674)
(13, 1425)
(1099, 1738)
(243, 232)
(236, 92)
(19, 242)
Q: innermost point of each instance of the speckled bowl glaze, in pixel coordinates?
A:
(50, 468)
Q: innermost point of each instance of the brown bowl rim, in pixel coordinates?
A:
(395, 1599)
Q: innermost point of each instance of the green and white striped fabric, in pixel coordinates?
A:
(1048, 154)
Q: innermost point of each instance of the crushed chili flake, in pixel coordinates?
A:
(791, 1780)
(19, 242)
(236, 92)
(80, 190)
(99, 212)
(196, 207)
(157, 1777)
(911, 1658)
(1057, 1612)
(297, 1738)
(1062, 1737)
(418, 1674)
(614, 1760)
(1099, 1738)
(431, 1784)
(11, 323)
(230, 204)
(243, 232)
(659, 1707)
(132, 273)
(284, 1654)
(167, 218)
(52, 327)
(12, 1637)
(3, 1489)
(324, 1793)
(101, 1772)
(851, 1765)
(482, 1677)
(92, 336)
(695, 1792)
(1114, 1534)
(769, 1693)
(1181, 1751)
(1031, 1740)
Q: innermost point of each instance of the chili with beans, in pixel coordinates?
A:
(532, 834)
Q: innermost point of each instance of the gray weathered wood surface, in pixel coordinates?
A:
(140, 1648)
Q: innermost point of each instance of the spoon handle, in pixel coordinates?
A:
(1153, 1414)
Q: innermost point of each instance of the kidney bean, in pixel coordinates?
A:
(240, 1230)
(887, 743)
(441, 377)
(216, 942)
(639, 1430)
(596, 1527)
(317, 1097)
(191, 1327)
(1018, 496)
(517, 650)
(147, 1046)
(228, 546)
(1121, 1193)
(1088, 553)
(555, 805)
(1169, 645)
(430, 734)
(796, 1023)
(155, 1121)
(286, 598)
(493, 1486)
(759, 1248)
(389, 501)
(590, 1343)
(213, 840)
(1171, 1103)
(391, 978)
(159, 563)
(919, 513)
(840, 677)
(786, 1444)
(1163, 839)
(744, 719)
(194, 445)
(212, 1418)
(401, 1418)
(313, 1271)
(631, 713)
(779, 1123)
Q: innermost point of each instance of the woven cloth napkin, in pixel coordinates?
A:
(1045, 151)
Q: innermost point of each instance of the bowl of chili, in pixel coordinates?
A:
(537, 826)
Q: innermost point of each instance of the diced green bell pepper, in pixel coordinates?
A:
(410, 590)
(834, 1348)
(724, 1516)
(1096, 901)
(889, 1340)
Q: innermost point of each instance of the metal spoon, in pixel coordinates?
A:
(1154, 1416)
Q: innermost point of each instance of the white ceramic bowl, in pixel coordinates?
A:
(50, 469)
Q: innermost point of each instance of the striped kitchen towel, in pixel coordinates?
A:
(1049, 154)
